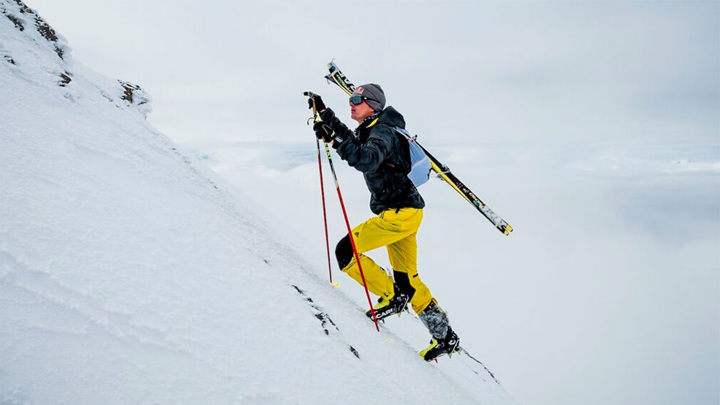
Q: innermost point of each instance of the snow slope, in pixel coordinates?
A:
(132, 274)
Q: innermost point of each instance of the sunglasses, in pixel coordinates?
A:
(357, 99)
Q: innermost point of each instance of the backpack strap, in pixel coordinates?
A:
(403, 136)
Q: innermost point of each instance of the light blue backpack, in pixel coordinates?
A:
(420, 166)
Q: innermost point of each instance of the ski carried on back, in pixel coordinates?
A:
(337, 77)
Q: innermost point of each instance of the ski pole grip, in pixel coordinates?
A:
(314, 107)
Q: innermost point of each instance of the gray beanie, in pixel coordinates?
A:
(374, 94)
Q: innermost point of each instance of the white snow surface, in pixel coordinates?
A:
(132, 274)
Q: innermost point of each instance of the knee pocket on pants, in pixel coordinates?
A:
(344, 252)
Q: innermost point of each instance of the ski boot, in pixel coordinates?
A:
(438, 347)
(389, 306)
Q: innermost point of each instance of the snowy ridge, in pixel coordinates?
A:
(130, 273)
(36, 53)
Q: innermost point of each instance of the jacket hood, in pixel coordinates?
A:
(391, 116)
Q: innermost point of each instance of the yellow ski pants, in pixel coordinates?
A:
(397, 230)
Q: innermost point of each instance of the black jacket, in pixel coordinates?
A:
(375, 150)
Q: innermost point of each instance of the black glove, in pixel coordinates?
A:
(318, 102)
(323, 131)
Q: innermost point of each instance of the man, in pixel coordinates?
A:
(375, 149)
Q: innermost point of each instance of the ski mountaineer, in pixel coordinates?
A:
(375, 149)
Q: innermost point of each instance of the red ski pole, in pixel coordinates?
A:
(347, 222)
(350, 235)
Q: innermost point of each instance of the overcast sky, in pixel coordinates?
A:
(591, 126)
